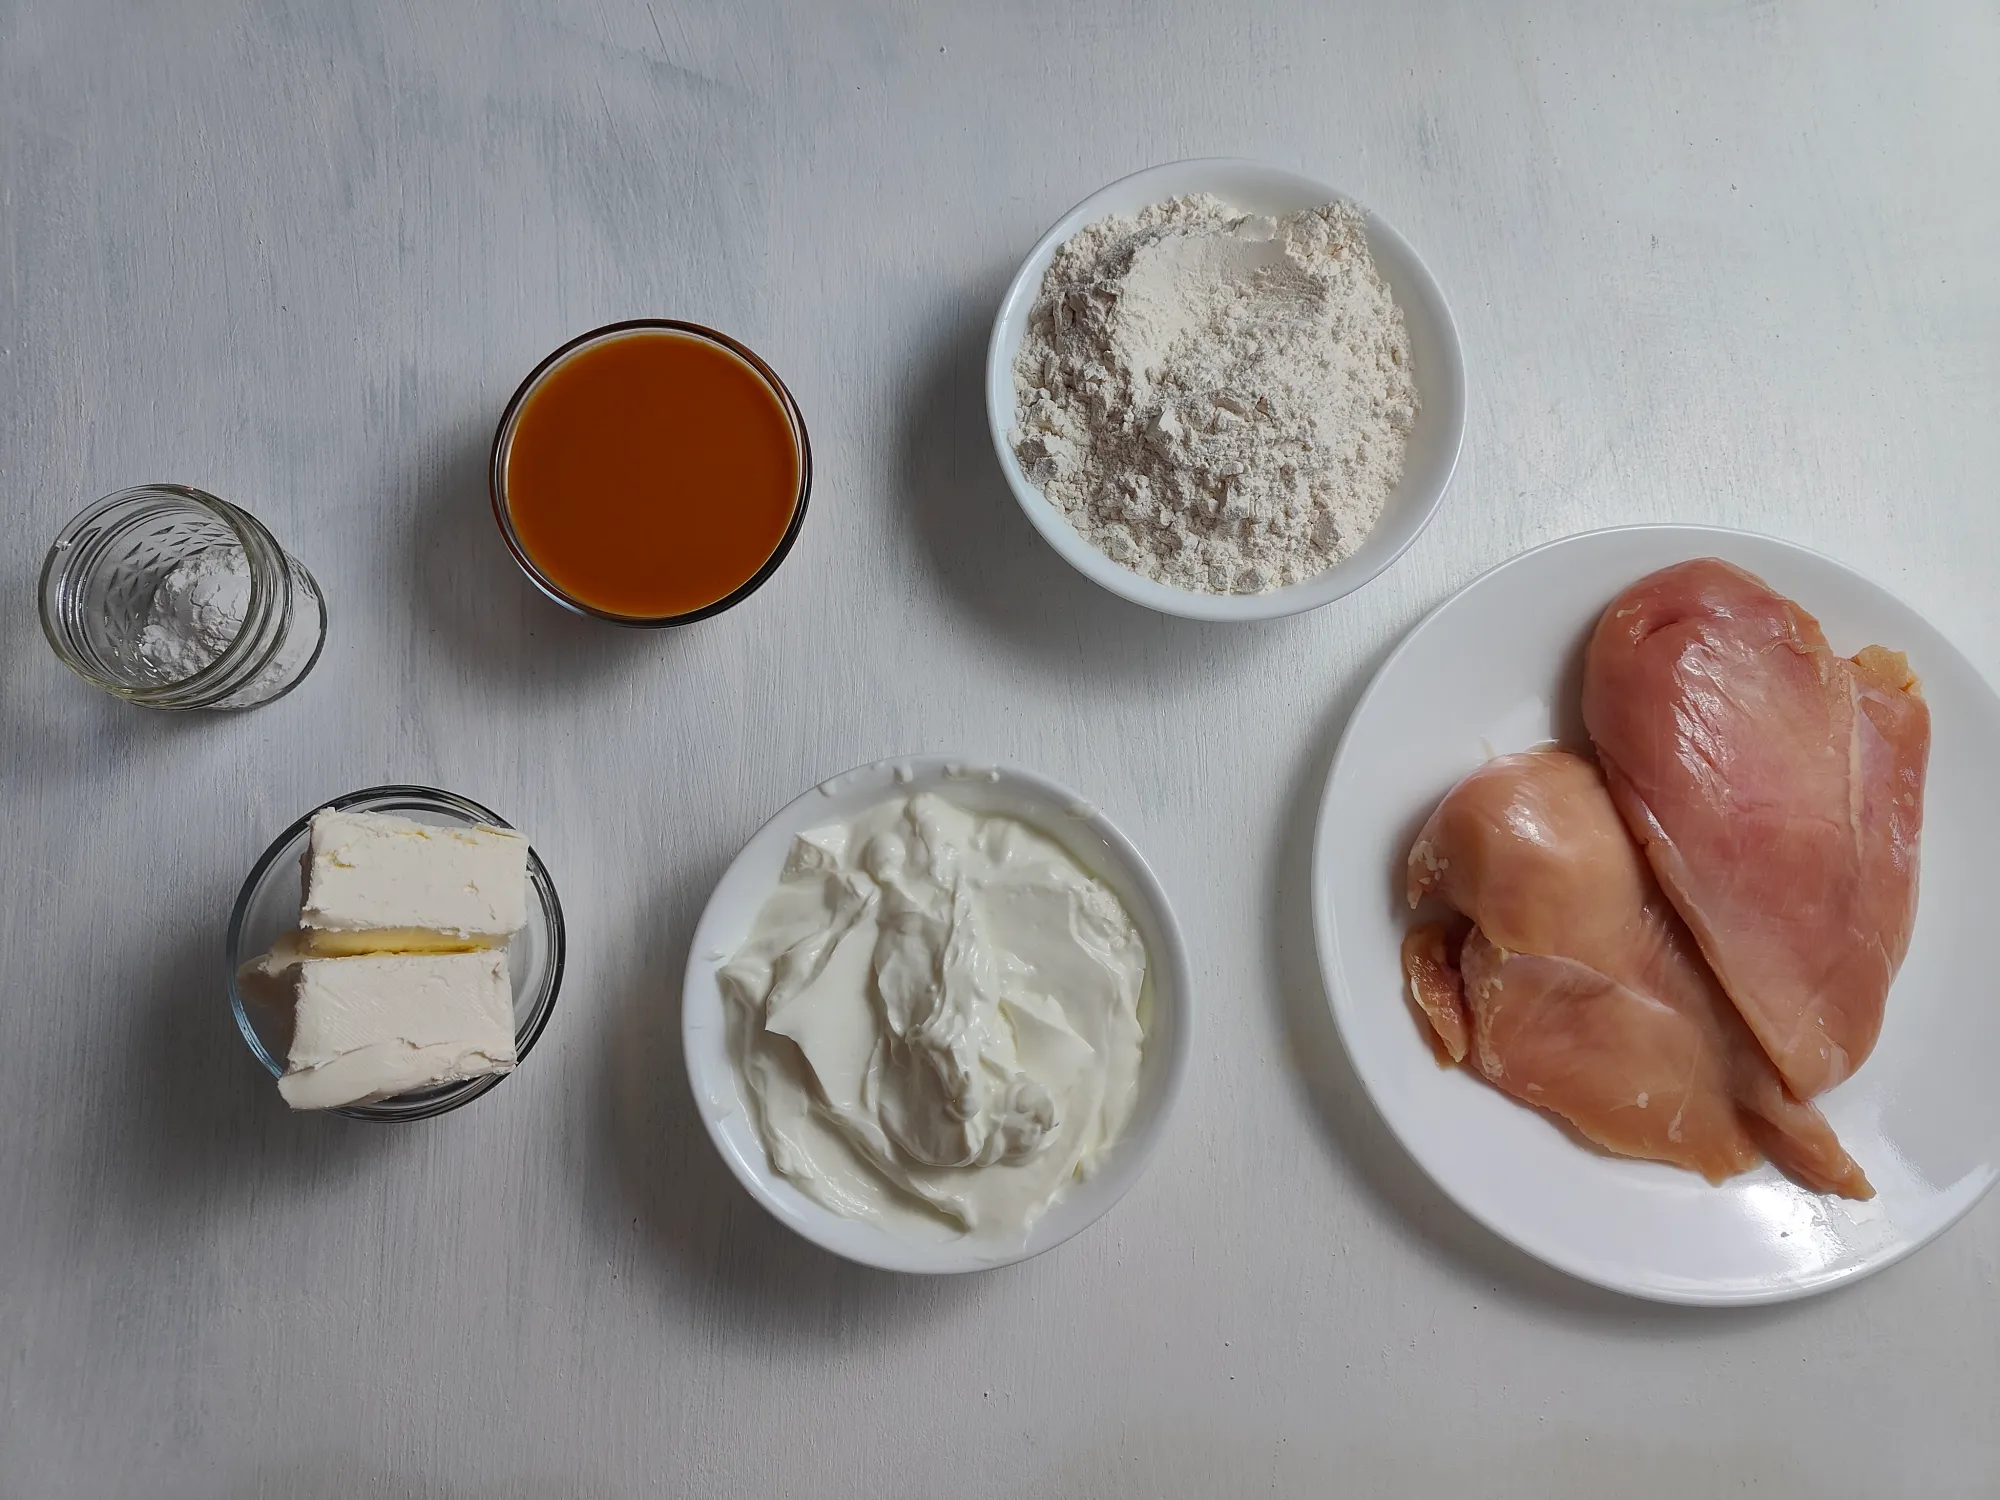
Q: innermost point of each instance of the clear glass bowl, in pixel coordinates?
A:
(103, 575)
(503, 441)
(269, 906)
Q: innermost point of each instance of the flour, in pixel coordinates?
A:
(1215, 400)
(198, 610)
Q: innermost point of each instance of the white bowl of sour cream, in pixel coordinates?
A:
(1437, 364)
(955, 1037)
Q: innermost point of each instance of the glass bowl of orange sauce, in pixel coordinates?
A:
(651, 473)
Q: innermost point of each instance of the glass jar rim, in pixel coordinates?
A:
(510, 417)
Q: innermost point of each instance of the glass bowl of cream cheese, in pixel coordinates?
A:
(936, 1015)
(268, 909)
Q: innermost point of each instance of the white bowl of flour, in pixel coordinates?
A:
(1239, 402)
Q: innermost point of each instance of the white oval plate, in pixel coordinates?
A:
(1096, 844)
(1497, 668)
(1436, 360)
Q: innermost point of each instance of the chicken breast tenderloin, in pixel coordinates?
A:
(1578, 990)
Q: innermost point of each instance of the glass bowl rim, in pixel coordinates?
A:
(496, 482)
(423, 1103)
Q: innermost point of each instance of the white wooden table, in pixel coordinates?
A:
(1712, 262)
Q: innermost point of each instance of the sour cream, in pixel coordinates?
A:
(937, 1019)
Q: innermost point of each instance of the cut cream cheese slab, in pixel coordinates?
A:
(379, 883)
(370, 1027)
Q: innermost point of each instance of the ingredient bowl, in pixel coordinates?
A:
(649, 498)
(269, 906)
(1437, 364)
(1095, 844)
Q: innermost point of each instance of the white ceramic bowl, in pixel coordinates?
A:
(1435, 357)
(1094, 843)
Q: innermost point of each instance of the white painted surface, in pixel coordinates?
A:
(1712, 262)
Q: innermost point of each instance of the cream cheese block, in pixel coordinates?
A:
(379, 883)
(370, 1027)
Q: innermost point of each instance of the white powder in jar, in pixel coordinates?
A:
(1217, 400)
(196, 613)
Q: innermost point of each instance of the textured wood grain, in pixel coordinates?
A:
(1713, 262)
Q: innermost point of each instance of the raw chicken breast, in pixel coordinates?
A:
(1578, 990)
(1778, 791)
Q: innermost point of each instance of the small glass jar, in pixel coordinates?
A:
(171, 598)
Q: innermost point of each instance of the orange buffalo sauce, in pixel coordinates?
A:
(651, 473)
